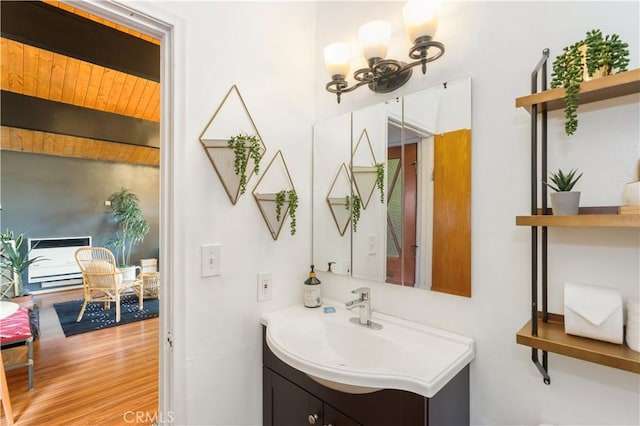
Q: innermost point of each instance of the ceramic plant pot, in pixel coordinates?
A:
(631, 194)
(129, 272)
(565, 203)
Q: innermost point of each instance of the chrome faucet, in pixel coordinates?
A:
(363, 303)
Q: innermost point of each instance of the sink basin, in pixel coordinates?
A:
(356, 359)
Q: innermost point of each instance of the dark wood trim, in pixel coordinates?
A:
(54, 29)
(28, 112)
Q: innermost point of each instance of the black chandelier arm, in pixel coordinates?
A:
(420, 51)
(340, 86)
(387, 75)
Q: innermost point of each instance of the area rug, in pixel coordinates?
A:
(96, 317)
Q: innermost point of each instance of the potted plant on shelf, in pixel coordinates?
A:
(245, 146)
(290, 197)
(595, 56)
(564, 201)
(132, 228)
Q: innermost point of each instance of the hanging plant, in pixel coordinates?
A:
(380, 180)
(290, 197)
(354, 203)
(595, 56)
(240, 144)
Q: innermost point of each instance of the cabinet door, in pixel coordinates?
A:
(292, 405)
(333, 417)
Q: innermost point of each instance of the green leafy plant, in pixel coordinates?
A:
(354, 203)
(132, 227)
(290, 197)
(563, 182)
(14, 262)
(380, 180)
(596, 52)
(240, 144)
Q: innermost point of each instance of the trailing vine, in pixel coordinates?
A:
(240, 144)
(593, 53)
(292, 198)
(354, 203)
(380, 180)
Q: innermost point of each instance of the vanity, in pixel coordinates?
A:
(323, 369)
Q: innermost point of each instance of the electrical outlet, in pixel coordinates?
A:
(265, 286)
(211, 260)
(372, 244)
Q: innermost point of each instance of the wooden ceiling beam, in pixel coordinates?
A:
(57, 30)
(28, 112)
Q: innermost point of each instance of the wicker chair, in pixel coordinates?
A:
(103, 281)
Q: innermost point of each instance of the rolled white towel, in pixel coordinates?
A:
(632, 335)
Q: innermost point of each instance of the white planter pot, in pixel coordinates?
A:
(565, 203)
(129, 273)
(631, 194)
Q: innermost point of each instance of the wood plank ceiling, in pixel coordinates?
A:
(124, 103)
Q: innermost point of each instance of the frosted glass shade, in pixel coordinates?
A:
(420, 19)
(374, 39)
(337, 58)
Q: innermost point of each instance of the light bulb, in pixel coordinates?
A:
(337, 58)
(420, 19)
(374, 39)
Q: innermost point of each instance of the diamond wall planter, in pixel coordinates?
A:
(275, 179)
(230, 119)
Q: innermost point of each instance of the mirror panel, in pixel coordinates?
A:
(405, 234)
(331, 184)
(369, 135)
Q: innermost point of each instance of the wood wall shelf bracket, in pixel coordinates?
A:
(545, 331)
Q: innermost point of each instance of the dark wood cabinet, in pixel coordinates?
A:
(290, 397)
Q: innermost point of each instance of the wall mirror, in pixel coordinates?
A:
(409, 162)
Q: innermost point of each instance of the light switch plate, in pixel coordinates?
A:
(211, 260)
(265, 286)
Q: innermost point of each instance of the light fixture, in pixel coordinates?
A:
(386, 75)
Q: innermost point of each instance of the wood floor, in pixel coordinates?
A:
(105, 377)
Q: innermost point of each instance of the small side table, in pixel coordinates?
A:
(151, 284)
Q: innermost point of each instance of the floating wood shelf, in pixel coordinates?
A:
(552, 338)
(587, 217)
(621, 84)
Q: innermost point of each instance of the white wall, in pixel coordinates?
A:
(498, 44)
(266, 48)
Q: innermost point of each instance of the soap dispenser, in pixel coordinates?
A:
(311, 296)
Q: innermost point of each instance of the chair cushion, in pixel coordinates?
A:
(103, 267)
(100, 266)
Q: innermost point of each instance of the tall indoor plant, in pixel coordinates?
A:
(595, 56)
(14, 261)
(132, 227)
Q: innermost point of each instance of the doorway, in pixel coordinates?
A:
(402, 214)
